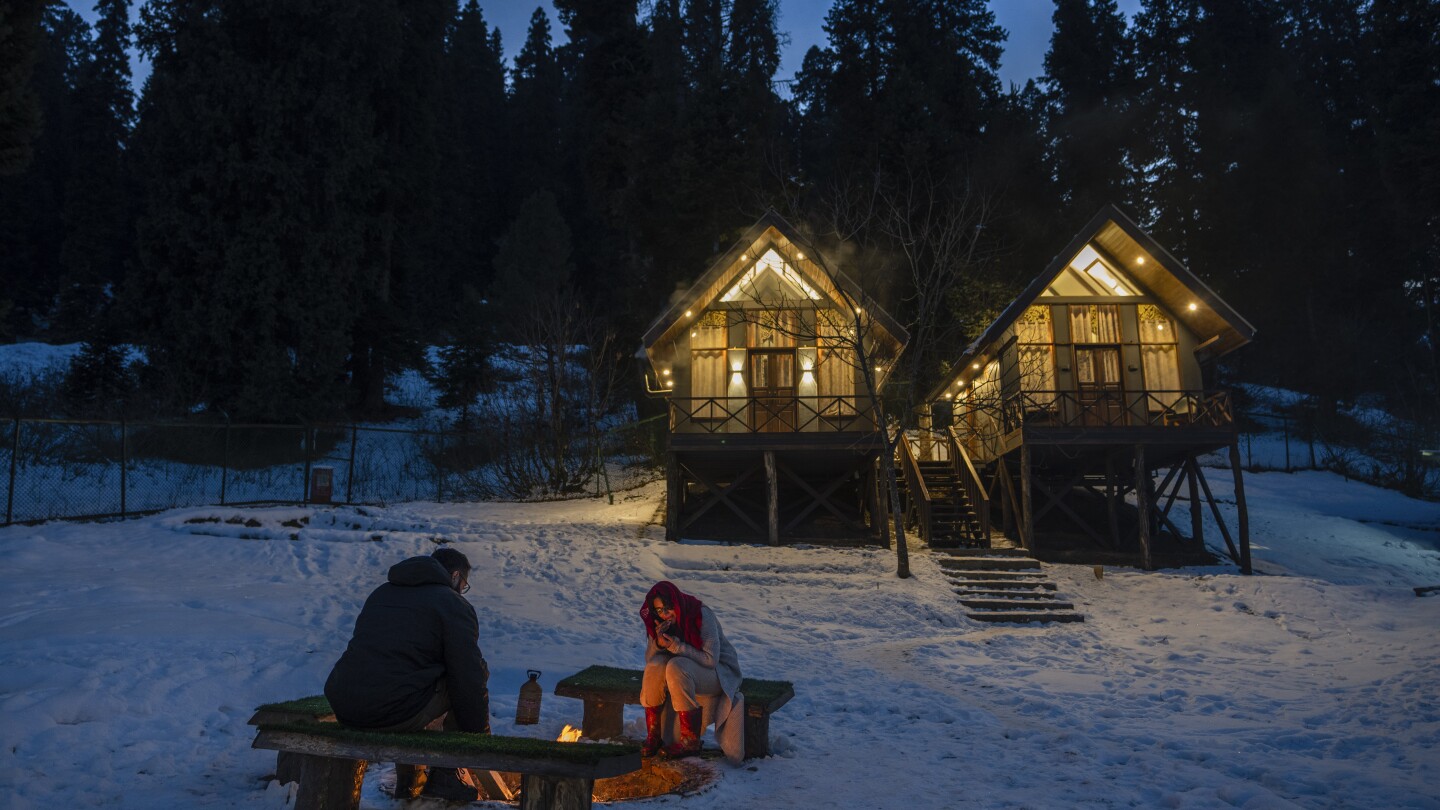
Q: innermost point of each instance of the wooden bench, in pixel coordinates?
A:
(329, 760)
(606, 690)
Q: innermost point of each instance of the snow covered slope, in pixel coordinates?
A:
(131, 655)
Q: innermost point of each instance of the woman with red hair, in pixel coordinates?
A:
(688, 658)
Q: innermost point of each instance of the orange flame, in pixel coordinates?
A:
(569, 734)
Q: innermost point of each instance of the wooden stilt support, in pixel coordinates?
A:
(674, 496)
(1007, 496)
(1142, 502)
(1244, 513)
(1197, 517)
(772, 499)
(1027, 517)
(882, 501)
(1112, 510)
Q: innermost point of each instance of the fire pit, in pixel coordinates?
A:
(657, 777)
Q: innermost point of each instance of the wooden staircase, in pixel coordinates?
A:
(953, 521)
(1004, 585)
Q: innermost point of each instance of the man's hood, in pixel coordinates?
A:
(419, 571)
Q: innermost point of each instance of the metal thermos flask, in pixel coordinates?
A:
(527, 709)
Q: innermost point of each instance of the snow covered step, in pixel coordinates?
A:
(993, 573)
(983, 552)
(1000, 593)
(990, 563)
(1021, 617)
(1006, 584)
(1016, 604)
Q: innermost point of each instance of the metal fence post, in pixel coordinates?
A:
(440, 469)
(123, 453)
(308, 441)
(350, 472)
(225, 460)
(10, 489)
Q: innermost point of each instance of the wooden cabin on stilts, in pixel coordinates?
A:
(1089, 387)
(770, 364)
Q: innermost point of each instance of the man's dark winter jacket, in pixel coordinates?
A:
(412, 631)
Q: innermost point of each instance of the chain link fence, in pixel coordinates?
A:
(1388, 453)
(61, 468)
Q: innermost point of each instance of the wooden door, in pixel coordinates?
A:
(772, 390)
(1101, 389)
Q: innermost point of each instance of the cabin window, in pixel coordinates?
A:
(773, 329)
(1035, 336)
(708, 369)
(835, 373)
(1159, 354)
(1090, 275)
(1095, 323)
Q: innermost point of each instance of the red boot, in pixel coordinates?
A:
(652, 731)
(690, 731)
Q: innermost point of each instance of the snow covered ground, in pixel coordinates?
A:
(132, 653)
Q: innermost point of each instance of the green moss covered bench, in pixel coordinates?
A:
(329, 760)
(606, 690)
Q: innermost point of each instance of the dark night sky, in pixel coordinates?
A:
(1028, 22)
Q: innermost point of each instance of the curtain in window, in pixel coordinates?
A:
(835, 368)
(1035, 335)
(772, 329)
(1095, 323)
(708, 370)
(1162, 373)
(1159, 356)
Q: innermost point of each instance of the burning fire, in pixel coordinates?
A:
(569, 734)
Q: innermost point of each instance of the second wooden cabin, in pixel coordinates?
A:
(1092, 381)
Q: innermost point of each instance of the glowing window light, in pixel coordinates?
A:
(770, 262)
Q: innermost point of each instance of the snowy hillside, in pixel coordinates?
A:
(134, 653)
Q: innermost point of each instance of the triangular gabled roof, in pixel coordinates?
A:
(770, 231)
(1215, 323)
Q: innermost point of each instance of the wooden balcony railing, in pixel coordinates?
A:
(987, 429)
(771, 415)
(1082, 409)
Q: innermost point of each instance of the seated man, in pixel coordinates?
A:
(415, 657)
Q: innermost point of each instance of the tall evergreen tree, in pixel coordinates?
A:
(476, 181)
(1401, 67)
(19, 109)
(605, 60)
(535, 114)
(260, 179)
(1090, 76)
(98, 212)
(32, 202)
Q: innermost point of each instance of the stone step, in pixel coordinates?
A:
(1026, 618)
(1015, 604)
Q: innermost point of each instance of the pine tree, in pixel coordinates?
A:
(260, 180)
(535, 113)
(98, 198)
(19, 109)
(476, 181)
(32, 202)
(1090, 76)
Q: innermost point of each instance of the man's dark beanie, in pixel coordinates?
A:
(452, 559)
